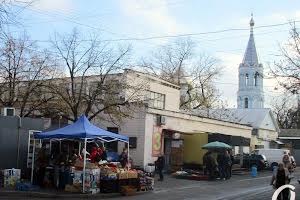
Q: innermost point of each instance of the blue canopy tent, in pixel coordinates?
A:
(82, 129)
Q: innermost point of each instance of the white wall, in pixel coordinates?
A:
(132, 127)
(188, 124)
(147, 82)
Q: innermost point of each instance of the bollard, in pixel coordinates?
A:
(253, 171)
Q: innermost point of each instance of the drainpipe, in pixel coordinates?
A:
(18, 141)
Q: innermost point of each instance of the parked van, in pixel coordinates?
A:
(273, 156)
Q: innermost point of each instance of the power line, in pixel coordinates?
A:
(165, 36)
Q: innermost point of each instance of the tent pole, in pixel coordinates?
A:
(128, 154)
(79, 148)
(32, 162)
(84, 165)
(50, 147)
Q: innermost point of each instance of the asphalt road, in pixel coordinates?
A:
(238, 188)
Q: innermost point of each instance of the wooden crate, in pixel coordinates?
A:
(128, 190)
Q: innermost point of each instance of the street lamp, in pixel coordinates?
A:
(18, 141)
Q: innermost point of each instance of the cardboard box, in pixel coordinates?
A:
(123, 175)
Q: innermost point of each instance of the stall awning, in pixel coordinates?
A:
(81, 129)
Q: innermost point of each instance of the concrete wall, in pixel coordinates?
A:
(193, 124)
(151, 83)
(9, 138)
(188, 124)
(132, 127)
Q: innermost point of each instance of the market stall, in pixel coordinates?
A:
(95, 176)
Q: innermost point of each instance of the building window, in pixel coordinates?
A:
(256, 79)
(112, 146)
(155, 100)
(132, 143)
(246, 103)
(247, 79)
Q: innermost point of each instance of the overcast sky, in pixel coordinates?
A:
(115, 19)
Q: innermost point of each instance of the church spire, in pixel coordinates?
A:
(250, 56)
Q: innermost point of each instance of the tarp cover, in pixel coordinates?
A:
(81, 129)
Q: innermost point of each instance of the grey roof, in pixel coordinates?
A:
(252, 117)
(289, 133)
(250, 56)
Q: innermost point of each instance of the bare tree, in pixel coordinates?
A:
(22, 69)
(93, 82)
(287, 70)
(170, 61)
(201, 92)
(10, 11)
(287, 112)
(178, 64)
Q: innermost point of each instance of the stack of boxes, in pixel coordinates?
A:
(11, 177)
(92, 180)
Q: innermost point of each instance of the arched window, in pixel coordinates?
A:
(247, 79)
(246, 103)
(256, 79)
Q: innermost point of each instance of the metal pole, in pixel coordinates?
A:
(32, 161)
(79, 149)
(128, 154)
(18, 141)
(84, 165)
(50, 144)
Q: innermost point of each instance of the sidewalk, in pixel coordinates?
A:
(170, 183)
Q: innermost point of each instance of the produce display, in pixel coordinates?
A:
(108, 178)
(11, 177)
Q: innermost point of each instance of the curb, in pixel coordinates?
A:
(55, 195)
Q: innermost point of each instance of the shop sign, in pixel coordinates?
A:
(156, 141)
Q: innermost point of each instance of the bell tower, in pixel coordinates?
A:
(250, 93)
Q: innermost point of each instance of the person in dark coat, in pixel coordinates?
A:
(211, 166)
(104, 154)
(232, 161)
(160, 164)
(204, 161)
(280, 178)
(124, 158)
(221, 165)
(227, 164)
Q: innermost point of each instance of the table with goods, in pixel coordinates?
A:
(109, 177)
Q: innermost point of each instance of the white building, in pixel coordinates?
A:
(250, 93)
(159, 127)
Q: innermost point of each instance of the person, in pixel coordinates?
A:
(104, 154)
(211, 166)
(42, 164)
(74, 156)
(293, 161)
(94, 155)
(221, 165)
(286, 159)
(280, 178)
(227, 164)
(232, 161)
(123, 158)
(204, 161)
(160, 164)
